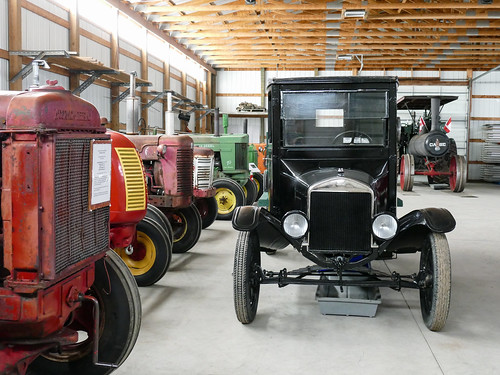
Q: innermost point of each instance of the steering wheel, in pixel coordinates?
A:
(354, 134)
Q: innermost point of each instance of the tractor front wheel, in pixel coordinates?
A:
(186, 224)
(208, 211)
(119, 301)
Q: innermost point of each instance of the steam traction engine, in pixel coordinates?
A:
(67, 304)
(429, 152)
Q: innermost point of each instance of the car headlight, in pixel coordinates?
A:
(384, 226)
(295, 224)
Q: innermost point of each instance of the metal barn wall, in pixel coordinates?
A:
(4, 25)
(41, 34)
(128, 65)
(51, 8)
(4, 74)
(99, 96)
(485, 109)
(155, 112)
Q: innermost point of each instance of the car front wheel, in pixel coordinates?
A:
(435, 283)
(246, 276)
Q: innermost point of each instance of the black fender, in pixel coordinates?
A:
(414, 227)
(268, 228)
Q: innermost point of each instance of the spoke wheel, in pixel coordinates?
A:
(120, 320)
(259, 181)
(186, 224)
(406, 172)
(435, 288)
(458, 173)
(251, 191)
(207, 207)
(152, 253)
(246, 276)
(229, 195)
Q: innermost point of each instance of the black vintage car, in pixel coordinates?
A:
(331, 181)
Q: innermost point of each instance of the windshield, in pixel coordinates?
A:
(334, 118)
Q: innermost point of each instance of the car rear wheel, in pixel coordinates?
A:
(207, 208)
(120, 318)
(251, 190)
(229, 195)
(458, 173)
(246, 276)
(406, 172)
(435, 288)
(186, 224)
(259, 181)
(150, 254)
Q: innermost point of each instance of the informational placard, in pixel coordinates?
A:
(329, 118)
(100, 174)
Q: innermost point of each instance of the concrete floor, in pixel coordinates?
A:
(189, 325)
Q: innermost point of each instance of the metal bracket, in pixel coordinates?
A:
(94, 74)
(124, 94)
(37, 55)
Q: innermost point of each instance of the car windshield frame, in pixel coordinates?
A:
(334, 118)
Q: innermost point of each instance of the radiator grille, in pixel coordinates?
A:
(134, 178)
(340, 221)
(203, 172)
(79, 233)
(241, 156)
(185, 171)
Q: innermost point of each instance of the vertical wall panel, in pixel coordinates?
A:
(94, 29)
(51, 8)
(89, 48)
(175, 85)
(100, 97)
(41, 34)
(4, 74)
(155, 112)
(4, 25)
(128, 65)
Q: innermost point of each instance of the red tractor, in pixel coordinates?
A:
(168, 164)
(68, 305)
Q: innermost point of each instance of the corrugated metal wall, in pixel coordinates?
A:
(155, 112)
(4, 44)
(485, 109)
(41, 34)
(4, 74)
(100, 97)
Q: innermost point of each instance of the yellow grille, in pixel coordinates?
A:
(134, 178)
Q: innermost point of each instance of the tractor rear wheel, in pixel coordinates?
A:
(229, 195)
(120, 320)
(186, 224)
(458, 173)
(251, 191)
(406, 172)
(151, 253)
(208, 211)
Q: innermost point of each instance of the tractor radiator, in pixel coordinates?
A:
(79, 232)
(184, 165)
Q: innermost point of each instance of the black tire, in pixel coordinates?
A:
(246, 276)
(186, 224)
(229, 195)
(120, 318)
(259, 181)
(157, 215)
(207, 207)
(435, 290)
(152, 253)
(251, 190)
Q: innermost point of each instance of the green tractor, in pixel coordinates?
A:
(233, 184)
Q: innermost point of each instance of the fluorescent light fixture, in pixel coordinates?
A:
(344, 57)
(354, 13)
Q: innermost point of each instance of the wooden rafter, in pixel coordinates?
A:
(413, 34)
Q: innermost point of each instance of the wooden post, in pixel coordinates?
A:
(209, 128)
(184, 93)
(469, 114)
(262, 135)
(74, 41)
(15, 43)
(115, 63)
(166, 85)
(204, 101)
(196, 113)
(144, 89)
